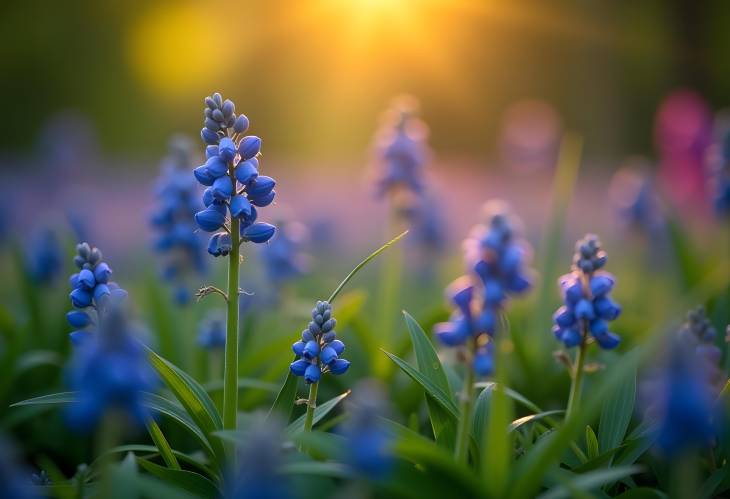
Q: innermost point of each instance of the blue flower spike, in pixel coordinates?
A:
(231, 173)
(587, 308)
(319, 350)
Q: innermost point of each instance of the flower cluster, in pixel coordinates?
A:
(319, 349)
(43, 260)
(495, 257)
(588, 307)
(698, 332)
(212, 332)
(369, 449)
(283, 259)
(110, 371)
(176, 238)
(91, 290)
(231, 175)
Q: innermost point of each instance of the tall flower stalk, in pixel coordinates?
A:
(234, 190)
(495, 256)
(587, 309)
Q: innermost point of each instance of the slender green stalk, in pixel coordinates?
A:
(577, 382)
(461, 451)
(230, 375)
(162, 445)
(311, 405)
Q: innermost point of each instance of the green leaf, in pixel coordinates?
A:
(320, 412)
(590, 481)
(642, 493)
(430, 366)
(591, 443)
(497, 459)
(518, 423)
(153, 450)
(329, 469)
(190, 481)
(37, 358)
(443, 398)
(516, 396)
(193, 398)
(616, 414)
(284, 403)
(162, 445)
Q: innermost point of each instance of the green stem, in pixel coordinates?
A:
(461, 451)
(311, 405)
(390, 289)
(575, 387)
(230, 375)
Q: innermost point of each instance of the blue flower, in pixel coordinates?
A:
(15, 480)
(231, 173)
(587, 305)
(319, 350)
(283, 258)
(212, 331)
(635, 200)
(44, 257)
(369, 448)
(109, 371)
(720, 173)
(496, 258)
(91, 291)
(698, 334)
(178, 202)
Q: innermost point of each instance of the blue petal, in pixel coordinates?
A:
(339, 366)
(259, 232)
(312, 373)
(248, 170)
(299, 366)
(249, 147)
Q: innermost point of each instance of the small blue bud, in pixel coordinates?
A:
(247, 220)
(329, 336)
(493, 292)
(78, 319)
(598, 327)
(339, 366)
(79, 337)
(608, 340)
(222, 188)
(311, 350)
(307, 335)
(312, 374)
(73, 281)
(483, 363)
(452, 333)
(486, 321)
(299, 366)
(211, 124)
(211, 151)
(249, 147)
(264, 200)
(101, 291)
(80, 298)
(601, 284)
(102, 273)
(213, 247)
(216, 166)
(338, 346)
(209, 137)
(248, 170)
(210, 219)
(572, 289)
(563, 317)
(203, 176)
(228, 108)
(208, 197)
(298, 348)
(570, 337)
(584, 310)
(328, 355)
(259, 232)
(329, 325)
(606, 309)
(261, 186)
(86, 279)
(226, 149)
(240, 206)
(518, 284)
(241, 124)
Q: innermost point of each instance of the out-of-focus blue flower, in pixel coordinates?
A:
(231, 172)
(369, 444)
(15, 480)
(496, 259)
(283, 258)
(91, 291)
(428, 230)
(212, 331)
(259, 461)
(44, 257)
(109, 372)
(319, 350)
(587, 305)
(698, 333)
(719, 169)
(401, 153)
(635, 200)
(178, 202)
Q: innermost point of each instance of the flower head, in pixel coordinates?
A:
(495, 257)
(44, 257)
(231, 175)
(319, 350)
(91, 292)
(178, 201)
(586, 295)
(212, 332)
(698, 334)
(110, 372)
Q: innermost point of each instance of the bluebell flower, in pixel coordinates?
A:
(231, 173)
(719, 170)
(698, 334)
(44, 257)
(401, 153)
(635, 200)
(496, 259)
(15, 480)
(588, 307)
(212, 331)
(283, 258)
(319, 350)
(109, 371)
(91, 291)
(369, 447)
(260, 458)
(178, 202)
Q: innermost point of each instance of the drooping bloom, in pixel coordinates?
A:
(284, 258)
(91, 290)
(44, 257)
(319, 350)
(369, 444)
(212, 331)
(231, 175)
(109, 372)
(178, 202)
(496, 260)
(401, 153)
(587, 305)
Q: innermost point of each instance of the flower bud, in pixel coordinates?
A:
(226, 149)
(241, 124)
(312, 374)
(240, 206)
(210, 219)
(259, 232)
(102, 273)
(249, 147)
(339, 366)
(246, 171)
